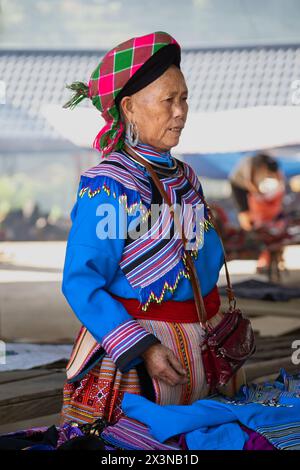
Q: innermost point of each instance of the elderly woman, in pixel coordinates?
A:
(140, 331)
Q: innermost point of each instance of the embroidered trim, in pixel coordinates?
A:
(123, 199)
(166, 286)
(96, 191)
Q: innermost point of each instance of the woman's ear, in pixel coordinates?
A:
(126, 108)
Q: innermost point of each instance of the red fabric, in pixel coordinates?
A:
(173, 311)
(263, 209)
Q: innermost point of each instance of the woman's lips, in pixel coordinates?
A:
(177, 130)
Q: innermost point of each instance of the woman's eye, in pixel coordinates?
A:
(171, 99)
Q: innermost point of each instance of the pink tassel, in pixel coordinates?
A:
(111, 143)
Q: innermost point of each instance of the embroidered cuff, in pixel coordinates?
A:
(126, 342)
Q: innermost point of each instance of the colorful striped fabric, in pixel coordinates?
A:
(285, 387)
(184, 339)
(129, 434)
(283, 437)
(130, 178)
(124, 338)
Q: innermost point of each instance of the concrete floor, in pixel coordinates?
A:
(33, 308)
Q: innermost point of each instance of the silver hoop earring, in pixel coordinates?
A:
(132, 138)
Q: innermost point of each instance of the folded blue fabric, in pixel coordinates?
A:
(170, 420)
(209, 418)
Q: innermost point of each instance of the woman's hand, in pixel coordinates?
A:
(162, 364)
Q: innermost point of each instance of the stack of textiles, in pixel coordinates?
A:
(259, 417)
(263, 416)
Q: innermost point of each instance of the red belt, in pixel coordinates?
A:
(173, 311)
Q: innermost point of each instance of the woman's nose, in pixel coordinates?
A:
(180, 109)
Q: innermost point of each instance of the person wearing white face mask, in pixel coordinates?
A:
(258, 189)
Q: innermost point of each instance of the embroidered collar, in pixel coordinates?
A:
(152, 154)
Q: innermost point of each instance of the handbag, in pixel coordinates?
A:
(227, 346)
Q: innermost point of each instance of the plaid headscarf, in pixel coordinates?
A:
(109, 78)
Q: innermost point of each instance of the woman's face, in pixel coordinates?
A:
(159, 110)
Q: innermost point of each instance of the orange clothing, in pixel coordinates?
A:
(263, 209)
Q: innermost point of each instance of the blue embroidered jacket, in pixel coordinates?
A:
(153, 271)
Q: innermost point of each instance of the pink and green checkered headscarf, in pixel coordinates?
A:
(108, 79)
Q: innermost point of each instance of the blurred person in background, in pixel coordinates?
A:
(258, 190)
